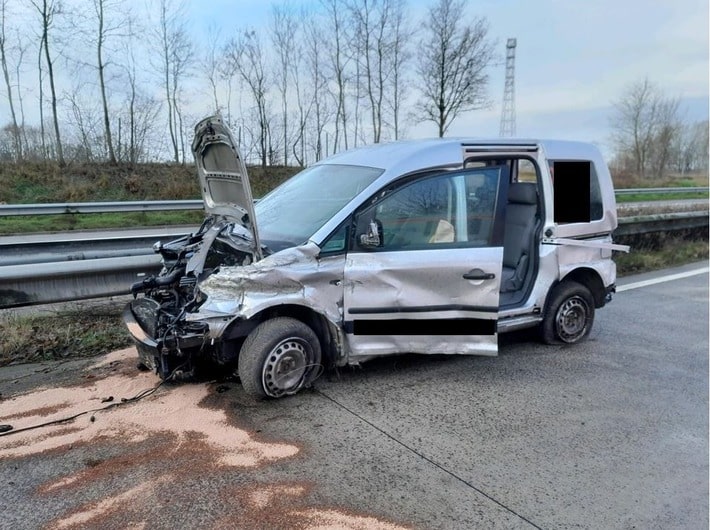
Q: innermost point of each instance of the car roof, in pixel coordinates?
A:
(406, 156)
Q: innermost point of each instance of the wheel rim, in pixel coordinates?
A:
(572, 319)
(286, 366)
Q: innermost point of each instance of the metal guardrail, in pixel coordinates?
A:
(47, 268)
(661, 222)
(98, 207)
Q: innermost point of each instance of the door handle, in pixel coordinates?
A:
(478, 274)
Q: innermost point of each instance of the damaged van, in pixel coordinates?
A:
(426, 246)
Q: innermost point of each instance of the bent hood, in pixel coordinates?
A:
(223, 176)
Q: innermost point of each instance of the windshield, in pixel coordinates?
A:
(294, 211)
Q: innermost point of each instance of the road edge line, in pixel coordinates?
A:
(662, 279)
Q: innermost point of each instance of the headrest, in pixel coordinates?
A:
(522, 193)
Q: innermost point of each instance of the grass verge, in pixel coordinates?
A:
(642, 197)
(98, 221)
(82, 331)
(653, 255)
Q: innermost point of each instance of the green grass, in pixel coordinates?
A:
(73, 333)
(639, 197)
(670, 253)
(30, 183)
(68, 222)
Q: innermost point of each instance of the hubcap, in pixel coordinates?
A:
(286, 367)
(572, 319)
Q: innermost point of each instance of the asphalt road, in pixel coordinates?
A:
(612, 433)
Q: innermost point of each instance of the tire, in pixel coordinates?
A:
(569, 314)
(278, 358)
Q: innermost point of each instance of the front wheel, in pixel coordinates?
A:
(278, 358)
(569, 314)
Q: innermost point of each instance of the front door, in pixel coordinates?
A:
(423, 272)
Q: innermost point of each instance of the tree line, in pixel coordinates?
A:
(313, 80)
(114, 82)
(652, 139)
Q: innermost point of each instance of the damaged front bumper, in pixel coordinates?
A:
(170, 353)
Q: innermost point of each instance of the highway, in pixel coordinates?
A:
(611, 433)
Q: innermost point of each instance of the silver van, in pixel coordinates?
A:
(425, 246)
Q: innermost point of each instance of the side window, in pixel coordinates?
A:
(443, 211)
(336, 242)
(418, 215)
(526, 171)
(577, 192)
(481, 199)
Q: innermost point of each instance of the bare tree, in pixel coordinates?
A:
(643, 124)
(227, 74)
(284, 27)
(141, 111)
(86, 121)
(664, 139)
(40, 84)
(105, 29)
(453, 59)
(17, 138)
(211, 62)
(690, 147)
(315, 60)
(142, 114)
(176, 53)
(299, 90)
(336, 43)
(374, 21)
(304, 105)
(400, 58)
(633, 123)
(21, 50)
(246, 56)
(48, 10)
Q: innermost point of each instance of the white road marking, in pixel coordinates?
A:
(662, 279)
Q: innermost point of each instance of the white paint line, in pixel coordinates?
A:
(662, 279)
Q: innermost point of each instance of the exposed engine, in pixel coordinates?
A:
(173, 293)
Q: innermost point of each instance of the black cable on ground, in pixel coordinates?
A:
(124, 401)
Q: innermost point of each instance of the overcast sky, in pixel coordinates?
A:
(573, 58)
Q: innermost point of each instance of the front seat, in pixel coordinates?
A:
(518, 245)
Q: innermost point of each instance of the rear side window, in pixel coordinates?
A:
(527, 172)
(577, 193)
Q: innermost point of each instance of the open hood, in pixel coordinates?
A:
(223, 176)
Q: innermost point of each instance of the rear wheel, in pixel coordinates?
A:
(569, 314)
(278, 358)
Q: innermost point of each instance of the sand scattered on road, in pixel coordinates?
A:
(264, 496)
(92, 512)
(174, 420)
(332, 519)
(175, 410)
(119, 356)
(284, 506)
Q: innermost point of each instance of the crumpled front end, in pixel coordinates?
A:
(165, 344)
(168, 340)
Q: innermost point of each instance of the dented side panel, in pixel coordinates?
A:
(419, 301)
(293, 276)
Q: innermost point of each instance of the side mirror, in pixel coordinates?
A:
(373, 237)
